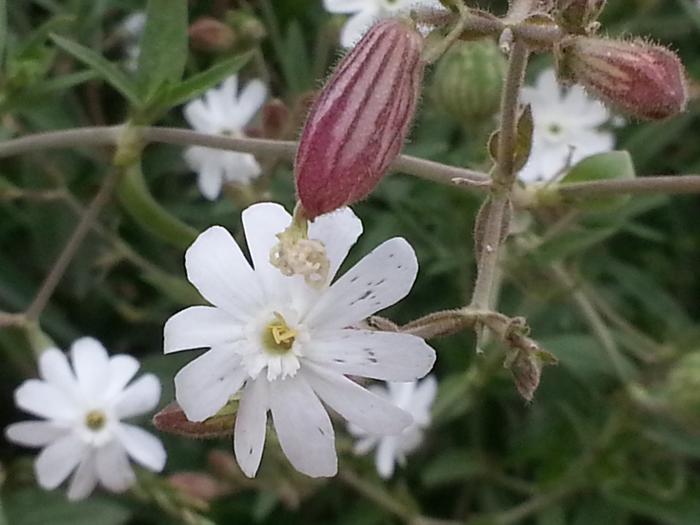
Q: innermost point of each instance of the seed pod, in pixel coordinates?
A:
(468, 80)
(643, 79)
(576, 16)
(358, 123)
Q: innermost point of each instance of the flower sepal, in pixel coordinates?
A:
(172, 420)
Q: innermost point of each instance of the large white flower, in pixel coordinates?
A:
(567, 128)
(366, 12)
(285, 345)
(414, 397)
(83, 407)
(223, 111)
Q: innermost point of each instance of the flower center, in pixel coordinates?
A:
(277, 337)
(95, 420)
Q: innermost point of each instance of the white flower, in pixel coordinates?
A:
(83, 407)
(131, 29)
(414, 397)
(366, 12)
(283, 344)
(566, 128)
(223, 111)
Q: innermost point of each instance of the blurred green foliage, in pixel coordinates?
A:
(599, 445)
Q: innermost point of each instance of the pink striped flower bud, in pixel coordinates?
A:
(359, 121)
(645, 80)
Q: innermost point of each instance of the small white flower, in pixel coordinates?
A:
(223, 111)
(566, 129)
(414, 397)
(83, 407)
(285, 345)
(131, 30)
(366, 12)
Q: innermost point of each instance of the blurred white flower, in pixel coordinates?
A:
(131, 30)
(284, 344)
(414, 397)
(223, 111)
(83, 407)
(366, 12)
(567, 128)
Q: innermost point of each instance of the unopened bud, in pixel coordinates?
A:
(358, 123)
(248, 29)
(468, 80)
(526, 368)
(576, 16)
(645, 80)
(172, 419)
(209, 34)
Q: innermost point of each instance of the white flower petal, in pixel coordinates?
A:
(44, 400)
(229, 96)
(143, 447)
(347, 6)
(385, 457)
(379, 280)
(422, 401)
(91, 365)
(113, 467)
(122, 368)
(303, 427)
(197, 116)
(217, 268)
(251, 423)
(54, 369)
(379, 355)
(57, 461)
(210, 176)
(200, 327)
(240, 167)
(356, 26)
(84, 478)
(250, 101)
(338, 231)
(205, 385)
(139, 397)
(365, 444)
(359, 406)
(34, 433)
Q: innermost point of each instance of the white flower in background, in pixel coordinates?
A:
(223, 111)
(366, 12)
(131, 30)
(82, 408)
(414, 397)
(285, 346)
(567, 128)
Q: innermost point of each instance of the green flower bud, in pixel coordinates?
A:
(682, 392)
(468, 79)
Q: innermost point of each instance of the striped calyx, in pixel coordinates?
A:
(640, 78)
(358, 124)
(468, 80)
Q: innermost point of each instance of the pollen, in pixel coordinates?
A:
(278, 337)
(95, 420)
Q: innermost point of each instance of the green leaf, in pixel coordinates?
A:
(613, 165)
(38, 507)
(199, 83)
(107, 70)
(163, 46)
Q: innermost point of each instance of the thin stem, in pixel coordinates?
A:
(668, 184)
(64, 259)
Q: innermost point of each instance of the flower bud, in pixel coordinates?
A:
(468, 80)
(645, 80)
(358, 124)
(576, 16)
(208, 34)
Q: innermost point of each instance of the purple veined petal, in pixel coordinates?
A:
(91, 365)
(377, 355)
(84, 478)
(205, 385)
(380, 279)
(34, 433)
(113, 468)
(200, 327)
(55, 463)
(217, 268)
(140, 397)
(45, 400)
(303, 427)
(359, 406)
(251, 423)
(143, 447)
